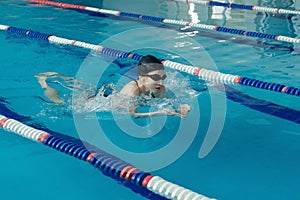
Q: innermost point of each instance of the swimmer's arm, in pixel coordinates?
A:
(131, 90)
(180, 112)
(183, 109)
(133, 111)
(163, 112)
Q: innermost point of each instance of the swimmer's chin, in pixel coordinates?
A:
(156, 93)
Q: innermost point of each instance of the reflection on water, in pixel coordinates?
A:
(285, 25)
(219, 12)
(193, 14)
(276, 25)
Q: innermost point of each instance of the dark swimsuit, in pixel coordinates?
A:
(140, 91)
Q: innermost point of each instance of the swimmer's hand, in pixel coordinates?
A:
(180, 112)
(184, 109)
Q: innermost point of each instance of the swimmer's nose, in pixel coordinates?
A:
(160, 82)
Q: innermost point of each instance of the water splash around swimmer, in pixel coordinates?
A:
(101, 102)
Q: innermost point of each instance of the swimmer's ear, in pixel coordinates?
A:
(142, 78)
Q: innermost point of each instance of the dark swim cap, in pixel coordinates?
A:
(148, 64)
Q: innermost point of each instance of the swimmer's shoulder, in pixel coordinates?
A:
(131, 89)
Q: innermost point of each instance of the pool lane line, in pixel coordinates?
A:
(242, 7)
(202, 73)
(208, 34)
(170, 21)
(103, 161)
(11, 114)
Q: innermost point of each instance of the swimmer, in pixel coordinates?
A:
(150, 83)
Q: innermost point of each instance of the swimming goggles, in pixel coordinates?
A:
(156, 77)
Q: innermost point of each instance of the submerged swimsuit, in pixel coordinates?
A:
(140, 91)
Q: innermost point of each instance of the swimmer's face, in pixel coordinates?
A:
(154, 81)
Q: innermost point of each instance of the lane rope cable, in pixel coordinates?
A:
(242, 7)
(103, 161)
(171, 21)
(202, 73)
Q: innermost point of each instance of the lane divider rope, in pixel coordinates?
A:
(103, 161)
(205, 74)
(171, 21)
(208, 75)
(241, 6)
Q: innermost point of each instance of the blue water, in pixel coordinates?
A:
(256, 155)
